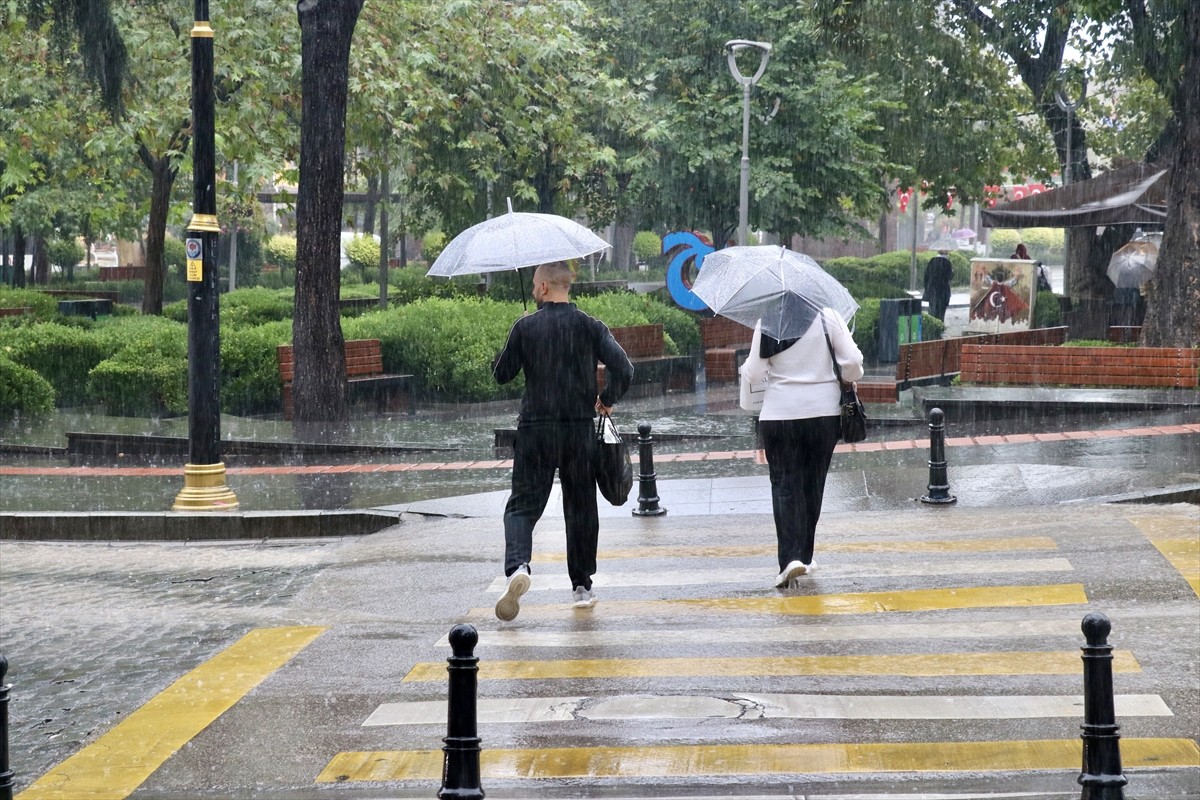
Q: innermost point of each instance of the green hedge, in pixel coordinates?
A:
(447, 345)
(250, 368)
(147, 375)
(1047, 313)
(62, 354)
(44, 306)
(23, 391)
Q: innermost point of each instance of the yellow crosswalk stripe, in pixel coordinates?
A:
(1007, 544)
(756, 759)
(918, 665)
(1180, 545)
(846, 603)
(117, 763)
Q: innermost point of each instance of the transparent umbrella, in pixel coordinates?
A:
(963, 233)
(1133, 264)
(515, 240)
(783, 288)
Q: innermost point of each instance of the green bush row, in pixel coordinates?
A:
(22, 390)
(887, 275)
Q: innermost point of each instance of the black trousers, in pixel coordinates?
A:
(798, 455)
(539, 450)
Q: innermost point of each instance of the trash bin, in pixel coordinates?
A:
(899, 323)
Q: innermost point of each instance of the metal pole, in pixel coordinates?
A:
(233, 240)
(731, 50)
(385, 252)
(915, 199)
(1101, 778)
(6, 774)
(204, 475)
(647, 479)
(460, 765)
(1069, 107)
(938, 491)
(744, 189)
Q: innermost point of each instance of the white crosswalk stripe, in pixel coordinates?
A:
(759, 575)
(763, 706)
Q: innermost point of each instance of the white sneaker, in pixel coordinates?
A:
(509, 604)
(583, 598)
(794, 569)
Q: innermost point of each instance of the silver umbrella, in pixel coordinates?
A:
(783, 288)
(1133, 264)
(515, 240)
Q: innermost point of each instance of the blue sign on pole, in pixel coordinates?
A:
(689, 248)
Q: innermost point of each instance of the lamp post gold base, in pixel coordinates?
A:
(204, 489)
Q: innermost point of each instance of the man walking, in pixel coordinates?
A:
(557, 347)
(938, 273)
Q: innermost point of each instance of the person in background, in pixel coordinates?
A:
(938, 273)
(1020, 252)
(800, 425)
(557, 347)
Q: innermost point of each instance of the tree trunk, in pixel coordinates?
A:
(18, 281)
(622, 245)
(162, 175)
(319, 388)
(41, 261)
(1173, 300)
(372, 203)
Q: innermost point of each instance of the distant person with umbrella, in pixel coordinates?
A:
(938, 273)
(799, 312)
(557, 347)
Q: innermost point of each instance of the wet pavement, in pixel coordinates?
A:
(287, 668)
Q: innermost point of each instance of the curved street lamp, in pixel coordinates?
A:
(1069, 106)
(732, 48)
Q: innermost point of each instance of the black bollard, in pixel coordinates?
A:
(6, 774)
(647, 480)
(1101, 778)
(939, 483)
(460, 768)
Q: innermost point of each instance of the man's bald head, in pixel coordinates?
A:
(558, 274)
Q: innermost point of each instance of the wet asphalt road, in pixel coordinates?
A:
(95, 631)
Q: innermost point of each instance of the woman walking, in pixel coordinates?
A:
(799, 424)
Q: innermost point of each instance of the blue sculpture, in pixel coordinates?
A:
(688, 247)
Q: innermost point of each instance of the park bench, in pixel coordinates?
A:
(1124, 334)
(1140, 367)
(365, 378)
(85, 307)
(646, 348)
(726, 344)
(99, 294)
(122, 273)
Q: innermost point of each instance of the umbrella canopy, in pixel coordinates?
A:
(783, 288)
(963, 233)
(1133, 264)
(515, 240)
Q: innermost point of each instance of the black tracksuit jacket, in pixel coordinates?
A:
(558, 347)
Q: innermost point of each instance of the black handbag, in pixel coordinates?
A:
(611, 462)
(853, 416)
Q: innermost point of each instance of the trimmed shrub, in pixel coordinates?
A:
(175, 257)
(866, 328)
(448, 345)
(243, 307)
(647, 246)
(1047, 313)
(363, 252)
(250, 381)
(280, 251)
(432, 245)
(23, 391)
(62, 354)
(44, 306)
(681, 331)
(410, 284)
(147, 373)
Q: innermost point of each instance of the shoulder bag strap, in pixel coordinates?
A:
(837, 370)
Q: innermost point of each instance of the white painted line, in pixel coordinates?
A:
(981, 629)
(738, 706)
(555, 579)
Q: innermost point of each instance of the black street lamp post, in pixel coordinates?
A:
(204, 475)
